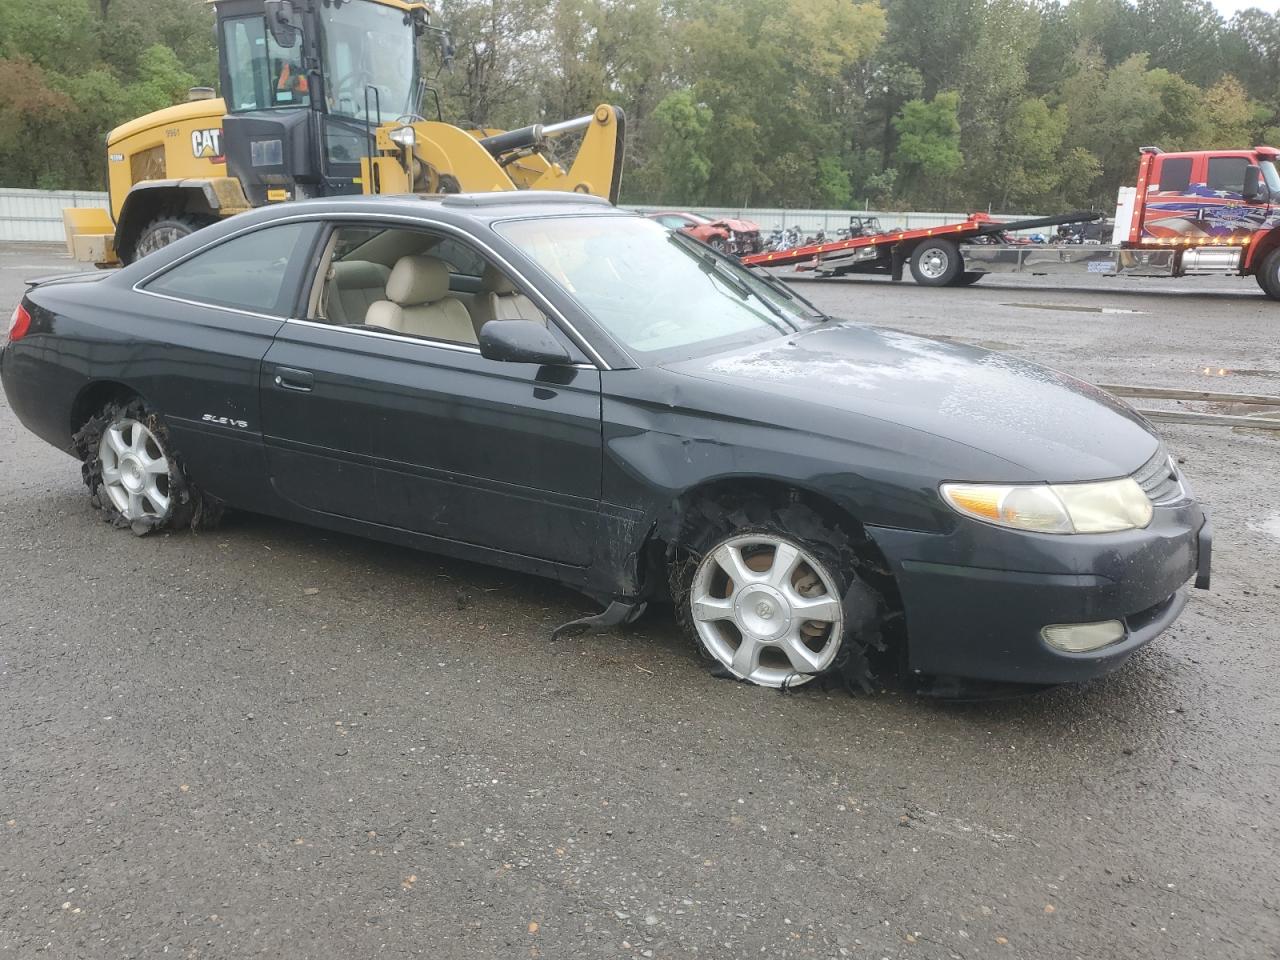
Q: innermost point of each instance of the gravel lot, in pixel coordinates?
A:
(270, 740)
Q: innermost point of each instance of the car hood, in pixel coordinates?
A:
(1053, 426)
(738, 226)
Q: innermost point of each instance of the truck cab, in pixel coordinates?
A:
(304, 85)
(1206, 198)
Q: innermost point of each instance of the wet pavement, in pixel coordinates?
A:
(272, 740)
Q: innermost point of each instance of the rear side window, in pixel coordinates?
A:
(1227, 174)
(1175, 175)
(247, 272)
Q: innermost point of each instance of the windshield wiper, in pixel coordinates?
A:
(709, 262)
(774, 283)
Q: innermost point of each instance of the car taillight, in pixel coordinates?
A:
(19, 324)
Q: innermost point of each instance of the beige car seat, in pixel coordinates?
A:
(498, 299)
(353, 287)
(418, 302)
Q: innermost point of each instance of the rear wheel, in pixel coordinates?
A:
(936, 263)
(132, 474)
(967, 279)
(164, 230)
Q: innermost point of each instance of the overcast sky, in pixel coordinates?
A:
(1228, 7)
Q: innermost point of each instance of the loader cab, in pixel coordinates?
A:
(1209, 197)
(306, 82)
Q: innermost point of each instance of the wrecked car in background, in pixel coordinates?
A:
(737, 237)
(549, 384)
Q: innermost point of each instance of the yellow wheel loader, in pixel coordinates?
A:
(319, 97)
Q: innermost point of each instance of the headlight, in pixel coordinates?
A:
(404, 136)
(1104, 507)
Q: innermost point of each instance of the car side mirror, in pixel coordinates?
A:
(1253, 184)
(521, 341)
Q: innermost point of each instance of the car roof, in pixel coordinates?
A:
(453, 208)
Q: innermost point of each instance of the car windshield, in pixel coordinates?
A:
(369, 55)
(657, 293)
(1272, 177)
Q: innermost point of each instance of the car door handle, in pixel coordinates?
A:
(289, 379)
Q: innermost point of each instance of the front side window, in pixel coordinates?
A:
(1270, 175)
(369, 59)
(658, 293)
(262, 74)
(1227, 174)
(247, 272)
(414, 283)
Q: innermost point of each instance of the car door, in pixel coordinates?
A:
(204, 324)
(429, 436)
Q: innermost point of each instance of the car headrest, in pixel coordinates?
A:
(417, 279)
(495, 281)
(362, 274)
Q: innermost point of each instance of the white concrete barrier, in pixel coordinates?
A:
(36, 215)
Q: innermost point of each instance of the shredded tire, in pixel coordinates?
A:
(191, 507)
(710, 521)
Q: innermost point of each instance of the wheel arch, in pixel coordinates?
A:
(95, 395)
(215, 197)
(1258, 252)
(676, 520)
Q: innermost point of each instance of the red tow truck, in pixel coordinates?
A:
(1194, 213)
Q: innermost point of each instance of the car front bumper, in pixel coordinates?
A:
(977, 599)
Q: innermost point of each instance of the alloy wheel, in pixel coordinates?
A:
(135, 471)
(767, 610)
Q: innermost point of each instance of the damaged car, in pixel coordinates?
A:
(552, 385)
(728, 235)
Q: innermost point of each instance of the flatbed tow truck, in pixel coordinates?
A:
(1190, 214)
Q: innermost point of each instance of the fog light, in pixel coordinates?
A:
(1083, 637)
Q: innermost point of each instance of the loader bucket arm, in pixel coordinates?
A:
(596, 169)
(448, 159)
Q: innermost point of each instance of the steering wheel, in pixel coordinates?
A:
(354, 82)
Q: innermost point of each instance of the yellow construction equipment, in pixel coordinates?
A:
(319, 98)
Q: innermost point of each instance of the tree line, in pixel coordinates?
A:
(909, 104)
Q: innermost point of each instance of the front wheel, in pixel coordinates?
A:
(1268, 275)
(765, 593)
(936, 263)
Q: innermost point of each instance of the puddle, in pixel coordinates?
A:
(1269, 526)
(1224, 372)
(1073, 307)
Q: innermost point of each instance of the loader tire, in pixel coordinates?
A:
(164, 230)
(1269, 275)
(936, 263)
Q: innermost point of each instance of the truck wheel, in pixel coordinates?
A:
(1268, 275)
(164, 230)
(936, 263)
(967, 279)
